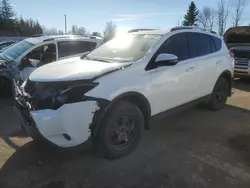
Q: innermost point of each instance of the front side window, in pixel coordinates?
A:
(200, 44)
(16, 50)
(43, 54)
(68, 48)
(177, 45)
(126, 48)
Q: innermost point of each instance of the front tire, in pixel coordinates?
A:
(120, 132)
(220, 94)
(5, 87)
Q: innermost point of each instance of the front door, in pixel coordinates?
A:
(173, 85)
(207, 58)
(38, 57)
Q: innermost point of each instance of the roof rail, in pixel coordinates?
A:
(96, 37)
(61, 36)
(191, 27)
(136, 30)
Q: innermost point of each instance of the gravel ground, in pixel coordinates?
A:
(194, 148)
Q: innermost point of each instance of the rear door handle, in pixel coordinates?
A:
(218, 62)
(190, 69)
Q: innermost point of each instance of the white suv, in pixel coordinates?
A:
(20, 59)
(112, 93)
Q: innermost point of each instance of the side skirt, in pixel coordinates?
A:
(177, 109)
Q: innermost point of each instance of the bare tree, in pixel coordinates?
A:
(207, 18)
(78, 30)
(50, 31)
(222, 15)
(238, 8)
(109, 31)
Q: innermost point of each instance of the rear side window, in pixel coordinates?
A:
(200, 44)
(177, 45)
(68, 48)
(217, 43)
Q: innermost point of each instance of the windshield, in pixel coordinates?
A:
(14, 51)
(125, 48)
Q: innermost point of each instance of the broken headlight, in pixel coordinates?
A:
(49, 96)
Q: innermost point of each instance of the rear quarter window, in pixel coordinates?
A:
(217, 42)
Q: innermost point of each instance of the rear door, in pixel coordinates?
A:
(173, 85)
(207, 59)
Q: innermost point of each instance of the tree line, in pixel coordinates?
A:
(227, 13)
(10, 25)
(211, 18)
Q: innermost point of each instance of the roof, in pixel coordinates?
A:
(151, 32)
(163, 32)
(40, 39)
(7, 42)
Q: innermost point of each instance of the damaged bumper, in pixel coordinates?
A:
(67, 126)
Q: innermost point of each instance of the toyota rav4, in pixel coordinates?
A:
(113, 92)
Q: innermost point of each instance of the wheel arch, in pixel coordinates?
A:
(134, 97)
(228, 76)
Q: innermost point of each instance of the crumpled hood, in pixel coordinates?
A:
(73, 69)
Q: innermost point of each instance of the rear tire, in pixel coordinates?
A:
(120, 132)
(220, 94)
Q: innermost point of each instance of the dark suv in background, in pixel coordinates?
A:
(238, 41)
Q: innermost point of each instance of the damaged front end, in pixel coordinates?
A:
(40, 95)
(60, 111)
(9, 71)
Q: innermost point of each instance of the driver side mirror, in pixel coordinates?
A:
(166, 59)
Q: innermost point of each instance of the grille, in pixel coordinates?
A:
(242, 63)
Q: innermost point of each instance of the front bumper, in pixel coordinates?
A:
(67, 126)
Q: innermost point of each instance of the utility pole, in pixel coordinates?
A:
(65, 23)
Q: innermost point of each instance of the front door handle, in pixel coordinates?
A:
(190, 69)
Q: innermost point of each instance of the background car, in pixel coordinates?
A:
(5, 44)
(27, 55)
(238, 41)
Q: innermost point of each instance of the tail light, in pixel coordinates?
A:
(232, 54)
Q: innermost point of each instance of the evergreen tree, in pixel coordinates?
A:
(190, 18)
(12, 26)
(6, 10)
(6, 16)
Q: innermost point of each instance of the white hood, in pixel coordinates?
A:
(72, 69)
